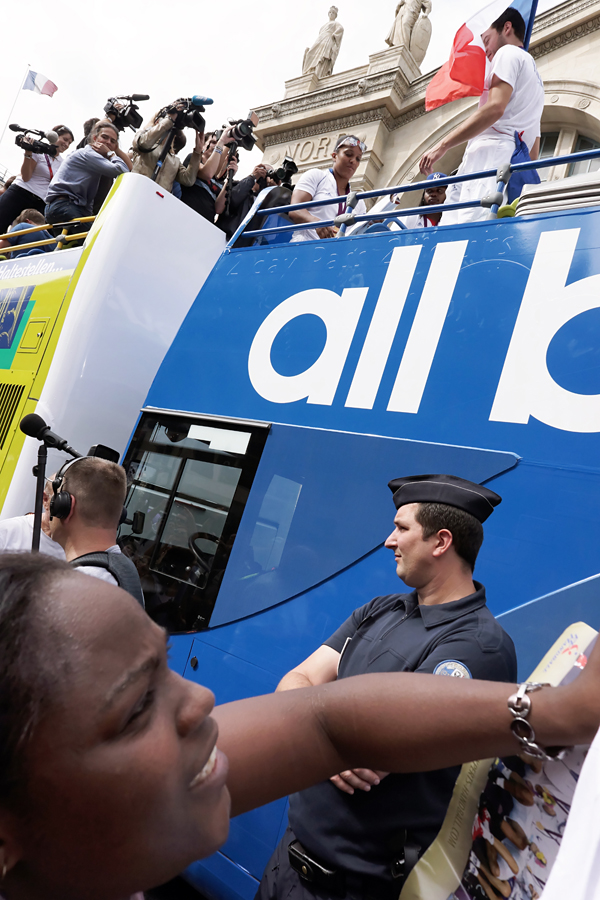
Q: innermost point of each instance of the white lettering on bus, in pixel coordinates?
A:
(318, 383)
(526, 387)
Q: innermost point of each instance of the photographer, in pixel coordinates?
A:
(148, 146)
(206, 196)
(72, 191)
(243, 195)
(29, 189)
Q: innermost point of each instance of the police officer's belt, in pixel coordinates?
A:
(339, 882)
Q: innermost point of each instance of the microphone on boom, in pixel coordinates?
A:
(137, 97)
(199, 100)
(51, 136)
(34, 426)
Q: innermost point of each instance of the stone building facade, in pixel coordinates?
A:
(383, 103)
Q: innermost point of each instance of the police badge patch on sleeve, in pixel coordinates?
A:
(452, 667)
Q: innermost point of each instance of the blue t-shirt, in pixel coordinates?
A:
(15, 238)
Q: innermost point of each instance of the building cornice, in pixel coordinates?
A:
(565, 37)
(342, 123)
(553, 17)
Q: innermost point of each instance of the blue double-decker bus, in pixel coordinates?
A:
(306, 376)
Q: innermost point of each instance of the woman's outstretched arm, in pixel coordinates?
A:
(284, 742)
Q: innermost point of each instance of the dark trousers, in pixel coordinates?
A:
(281, 882)
(12, 203)
(63, 210)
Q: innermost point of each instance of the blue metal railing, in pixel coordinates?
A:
(351, 199)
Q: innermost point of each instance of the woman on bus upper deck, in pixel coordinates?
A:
(110, 777)
(317, 184)
(29, 189)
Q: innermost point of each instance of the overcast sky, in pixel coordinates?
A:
(239, 53)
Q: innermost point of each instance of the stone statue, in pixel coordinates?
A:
(421, 35)
(320, 58)
(407, 13)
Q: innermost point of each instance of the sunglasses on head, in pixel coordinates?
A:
(352, 142)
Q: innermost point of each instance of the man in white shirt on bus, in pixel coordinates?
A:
(17, 533)
(513, 100)
(432, 196)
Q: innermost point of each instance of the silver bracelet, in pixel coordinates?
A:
(519, 705)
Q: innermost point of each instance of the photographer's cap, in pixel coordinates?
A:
(435, 176)
(473, 498)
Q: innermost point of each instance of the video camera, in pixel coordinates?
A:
(242, 131)
(125, 111)
(285, 171)
(189, 116)
(36, 146)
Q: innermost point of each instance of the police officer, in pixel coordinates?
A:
(359, 834)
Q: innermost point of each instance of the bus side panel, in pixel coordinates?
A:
(143, 265)
(33, 292)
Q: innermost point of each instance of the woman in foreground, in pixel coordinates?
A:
(110, 777)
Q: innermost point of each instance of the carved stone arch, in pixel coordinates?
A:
(574, 104)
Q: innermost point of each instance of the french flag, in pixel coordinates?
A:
(464, 73)
(39, 83)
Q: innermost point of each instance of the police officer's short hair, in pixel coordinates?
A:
(99, 487)
(515, 18)
(467, 531)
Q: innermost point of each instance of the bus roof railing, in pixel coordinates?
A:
(59, 240)
(502, 175)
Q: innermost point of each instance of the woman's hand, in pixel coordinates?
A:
(330, 231)
(29, 163)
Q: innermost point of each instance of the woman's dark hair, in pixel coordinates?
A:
(24, 680)
(62, 129)
(467, 531)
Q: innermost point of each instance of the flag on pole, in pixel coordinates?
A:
(39, 83)
(464, 73)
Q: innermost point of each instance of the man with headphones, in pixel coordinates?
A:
(86, 507)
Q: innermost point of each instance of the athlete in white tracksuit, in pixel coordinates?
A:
(513, 100)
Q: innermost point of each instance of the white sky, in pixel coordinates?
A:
(239, 53)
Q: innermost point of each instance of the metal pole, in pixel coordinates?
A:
(14, 104)
(40, 474)
(534, 6)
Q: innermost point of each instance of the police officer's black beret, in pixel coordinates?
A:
(473, 498)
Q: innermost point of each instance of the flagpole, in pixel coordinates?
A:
(530, 24)
(14, 104)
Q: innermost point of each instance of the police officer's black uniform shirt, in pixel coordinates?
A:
(362, 832)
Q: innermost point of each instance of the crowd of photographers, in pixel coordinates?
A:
(54, 189)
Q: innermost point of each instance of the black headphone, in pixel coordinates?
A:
(61, 500)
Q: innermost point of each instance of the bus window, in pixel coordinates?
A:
(190, 479)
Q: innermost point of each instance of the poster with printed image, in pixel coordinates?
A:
(506, 819)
